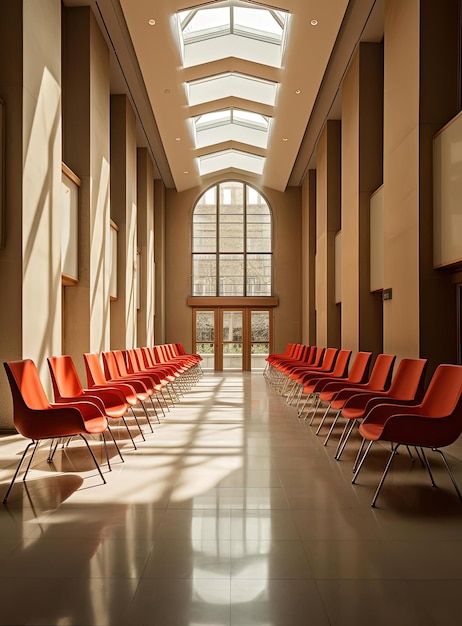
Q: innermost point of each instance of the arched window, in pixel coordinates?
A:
(231, 246)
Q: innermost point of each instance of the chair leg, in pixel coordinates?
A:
(321, 423)
(384, 475)
(155, 411)
(94, 458)
(358, 469)
(115, 443)
(451, 475)
(423, 457)
(358, 455)
(348, 429)
(316, 410)
(32, 443)
(331, 429)
(160, 404)
(138, 424)
(106, 452)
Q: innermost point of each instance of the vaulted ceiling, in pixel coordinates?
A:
(168, 54)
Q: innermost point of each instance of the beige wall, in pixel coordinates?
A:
(145, 239)
(159, 258)
(308, 255)
(124, 214)
(86, 124)
(423, 300)
(286, 210)
(362, 128)
(327, 227)
(30, 264)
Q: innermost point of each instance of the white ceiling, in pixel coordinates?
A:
(146, 64)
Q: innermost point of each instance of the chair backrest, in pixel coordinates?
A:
(130, 361)
(409, 380)
(312, 355)
(148, 359)
(444, 391)
(158, 355)
(318, 355)
(110, 365)
(26, 387)
(64, 377)
(382, 371)
(121, 363)
(329, 359)
(359, 370)
(94, 370)
(341, 363)
(139, 353)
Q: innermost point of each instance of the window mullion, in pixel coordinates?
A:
(245, 239)
(217, 239)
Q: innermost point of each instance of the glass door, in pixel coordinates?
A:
(232, 339)
(259, 339)
(204, 325)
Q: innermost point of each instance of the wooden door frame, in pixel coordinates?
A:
(246, 331)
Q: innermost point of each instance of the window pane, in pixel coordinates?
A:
(231, 275)
(205, 232)
(204, 275)
(231, 231)
(232, 193)
(259, 326)
(258, 234)
(232, 326)
(205, 326)
(259, 275)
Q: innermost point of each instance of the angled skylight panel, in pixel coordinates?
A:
(232, 84)
(253, 34)
(236, 159)
(231, 125)
(200, 24)
(259, 24)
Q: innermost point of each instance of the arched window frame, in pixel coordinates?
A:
(219, 255)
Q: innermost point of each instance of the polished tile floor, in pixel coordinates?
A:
(231, 513)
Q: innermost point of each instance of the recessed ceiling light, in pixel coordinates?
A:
(186, 172)
(298, 91)
(177, 138)
(167, 91)
(151, 22)
(314, 22)
(285, 139)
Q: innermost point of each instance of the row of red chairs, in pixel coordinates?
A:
(117, 382)
(394, 408)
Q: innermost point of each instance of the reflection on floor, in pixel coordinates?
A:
(232, 512)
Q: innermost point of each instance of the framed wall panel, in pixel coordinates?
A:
(376, 239)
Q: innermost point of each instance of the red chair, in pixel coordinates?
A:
(358, 374)
(336, 394)
(308, 382)
(293, 374)
(67, 386)
(434, 423)
(135, 392)
(407, 387)
(130, 362)
(35, 418)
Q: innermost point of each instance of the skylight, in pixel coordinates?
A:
(236, 159)
(223, 31)
(231, 125)
(232, 84)
(253, 34)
